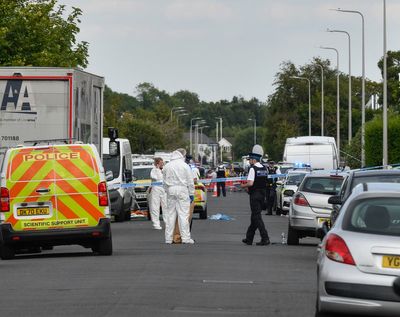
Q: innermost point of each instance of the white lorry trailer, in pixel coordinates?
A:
(46, 103)
(318, 151)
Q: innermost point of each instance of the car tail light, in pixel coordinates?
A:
(300, 200)
(337, 250)
(4, 199)
(102, 192)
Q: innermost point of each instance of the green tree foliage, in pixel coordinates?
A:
(287, 114)
(40, 33)
(374, 139)
(393, 71)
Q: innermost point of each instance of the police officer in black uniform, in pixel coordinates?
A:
(221, 185)
(256, 185)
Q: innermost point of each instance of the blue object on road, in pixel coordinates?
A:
(220, 216)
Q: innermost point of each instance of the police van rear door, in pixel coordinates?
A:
(30, 180)
(77, 185)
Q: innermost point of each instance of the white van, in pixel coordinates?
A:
(120, 165)
(319, 152)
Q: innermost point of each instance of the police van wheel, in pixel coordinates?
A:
(6, 252)
(292, 237)
(203, 214)
(104, 247)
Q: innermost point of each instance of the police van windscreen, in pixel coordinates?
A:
(142, 173)
(112, 163)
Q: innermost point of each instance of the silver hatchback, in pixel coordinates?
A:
(359, 258)
(309, 208)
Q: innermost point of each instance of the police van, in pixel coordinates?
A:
(53, 195)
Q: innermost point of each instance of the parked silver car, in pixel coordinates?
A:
(287, 188)
(359, 258)
(309, 208)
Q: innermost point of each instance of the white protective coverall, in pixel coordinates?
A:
(179, 186)
(157, 197)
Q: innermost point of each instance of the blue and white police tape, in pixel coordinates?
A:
(204, 181)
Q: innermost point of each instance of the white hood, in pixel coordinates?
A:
(176, 155)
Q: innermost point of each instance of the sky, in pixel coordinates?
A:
(224, 48)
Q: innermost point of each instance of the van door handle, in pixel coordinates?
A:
(43, 190)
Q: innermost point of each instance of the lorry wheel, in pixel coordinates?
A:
(292, 237)
(104, 246)
(6, 252)
(203, 213)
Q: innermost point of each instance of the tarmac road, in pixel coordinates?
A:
(218, 276)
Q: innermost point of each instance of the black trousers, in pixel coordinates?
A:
(257, 198)
(221, 186)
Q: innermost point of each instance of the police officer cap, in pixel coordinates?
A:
(257, 152)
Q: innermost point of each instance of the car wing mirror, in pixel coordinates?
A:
(109, 176)
(335, 200)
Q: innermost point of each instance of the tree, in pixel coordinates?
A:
(40, 33)
(393, 71)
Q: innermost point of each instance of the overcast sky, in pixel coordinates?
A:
(224, 48)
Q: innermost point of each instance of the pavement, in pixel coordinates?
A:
(217, 276)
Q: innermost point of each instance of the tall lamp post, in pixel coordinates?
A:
(322, 99)
(191, 128)
(201, 140)
(176, 109)
(180, 114)
(309, 101)
(220, 126)
(196, 137)
(350, 129)
(337, 98)
(362, 84)
(385, 119)
(255, 129)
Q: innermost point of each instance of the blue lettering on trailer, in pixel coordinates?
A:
(16, 98)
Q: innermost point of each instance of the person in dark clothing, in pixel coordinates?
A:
(256, 184)
(271, 189)
(221, 185)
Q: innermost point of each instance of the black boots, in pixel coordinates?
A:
(264, 242)
(248, 242)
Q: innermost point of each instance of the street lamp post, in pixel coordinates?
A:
(201, 140)
(350, 128)
(196, 138)
(181, 114)
(322, 99)
(337, 98)
(255, 129)
(220, 126)
(385, 119)
(309, 101)
(362, 84)
(176, 108)
(191, 128)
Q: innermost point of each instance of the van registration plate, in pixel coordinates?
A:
(391, 261)
(33, 211)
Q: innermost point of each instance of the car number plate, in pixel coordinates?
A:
(391, 261)
(33, 211)
(141, 196)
